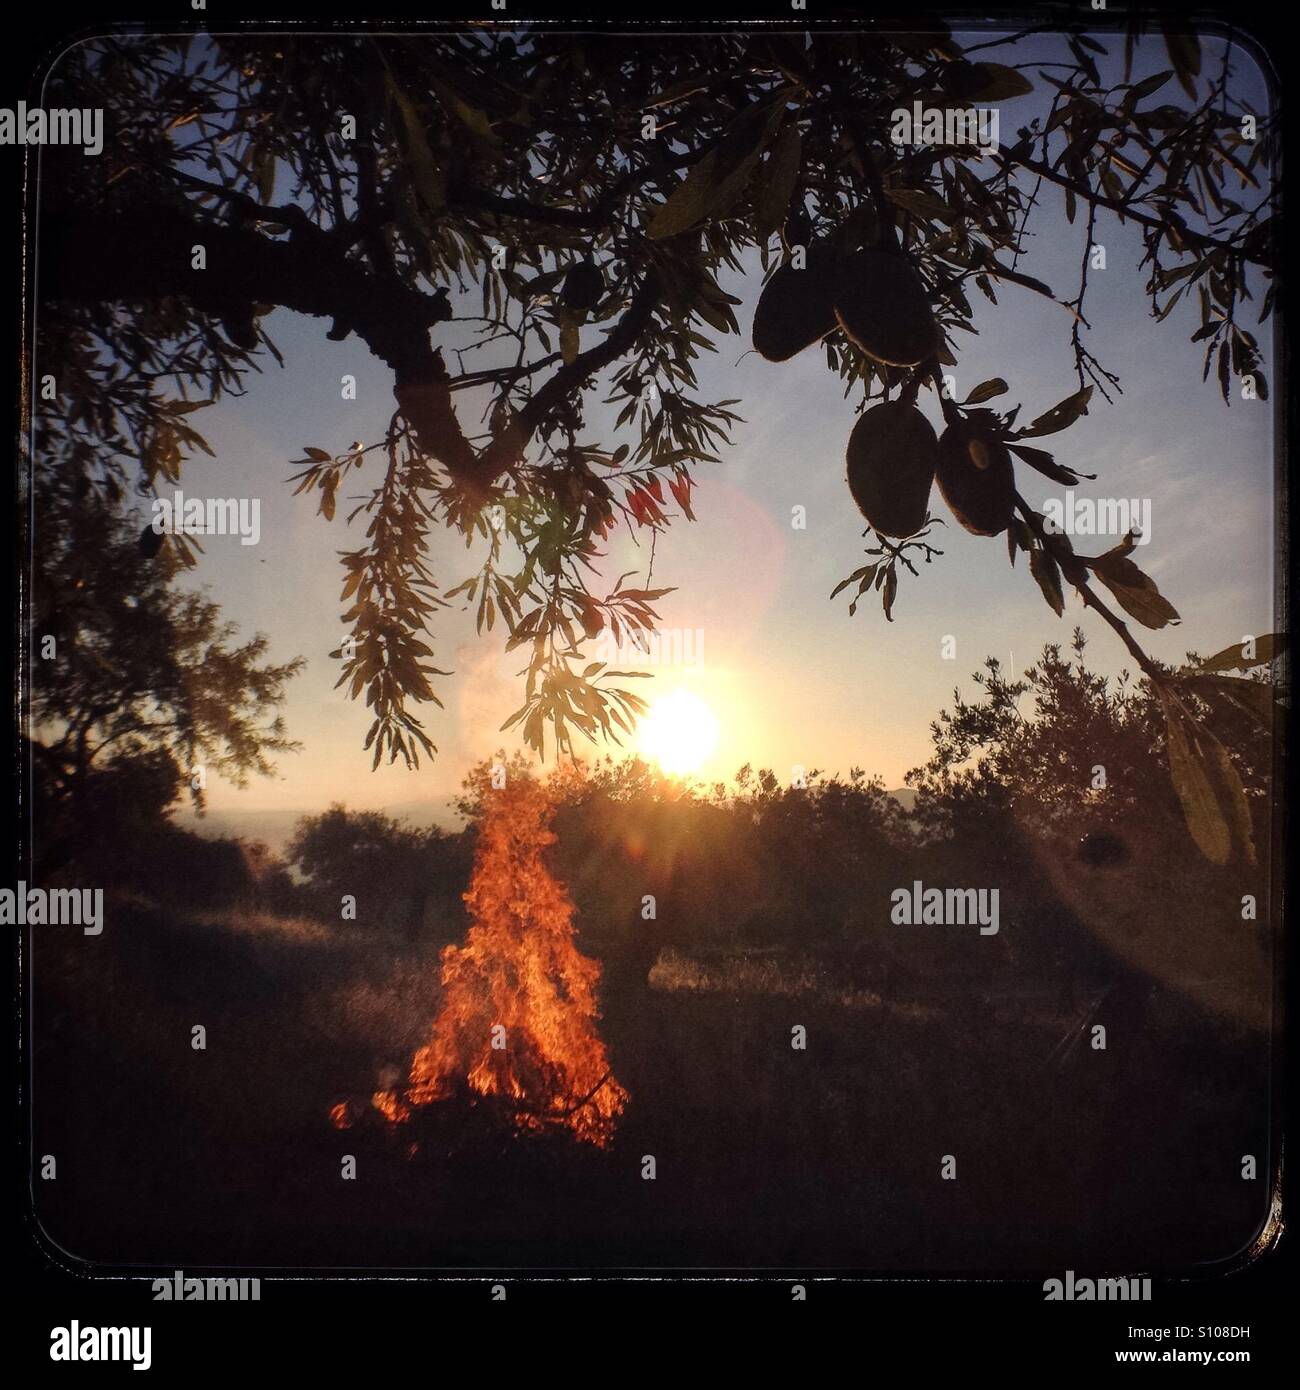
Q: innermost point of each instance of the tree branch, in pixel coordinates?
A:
(98, 257)
(1116, 205)
(617, 342)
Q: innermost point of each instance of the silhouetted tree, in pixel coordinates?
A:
(564, 206)
(394, 871)
(136, 684)
(1089, 751)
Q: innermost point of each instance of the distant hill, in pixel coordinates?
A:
(274, 828)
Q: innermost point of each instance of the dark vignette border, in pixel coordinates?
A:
(987, 1318)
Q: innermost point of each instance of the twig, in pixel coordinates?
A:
(1089, 595)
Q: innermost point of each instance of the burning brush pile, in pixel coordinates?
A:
(516, 1031)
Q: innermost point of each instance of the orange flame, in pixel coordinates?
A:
(519, 1005)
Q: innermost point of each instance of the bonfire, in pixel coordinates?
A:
(518, 1016)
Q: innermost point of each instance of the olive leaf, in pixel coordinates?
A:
(1061, 416)
(1019, 537)
(1254, 698)
(1135, 591)
(1235, 659)
(1000, 83)
(569, 340)
(888, 592)
(780, 176)
(264, 174)
(1208, 786)
(986, 390)
(1149, 85)
(1184, 52)
(474, 120)
(1045, 464)
(715, 306)
(862, 577)
(922, 203)
(1016, 277)
(714, 184)
(1048, 574)
(430, 181)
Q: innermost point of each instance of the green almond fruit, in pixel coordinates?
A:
(794, 311)
(881, 304)
(892, 455)
(977, 478)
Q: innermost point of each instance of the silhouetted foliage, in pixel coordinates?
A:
(400, 878)
(1090, 749)
(133, 674)
(563, 208)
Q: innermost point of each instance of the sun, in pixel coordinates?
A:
(679, 732)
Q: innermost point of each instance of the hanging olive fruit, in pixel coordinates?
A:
(892, 457)
(794, 311)
(881, 303)
(151, 542)
(583, 287)
(976, 476)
